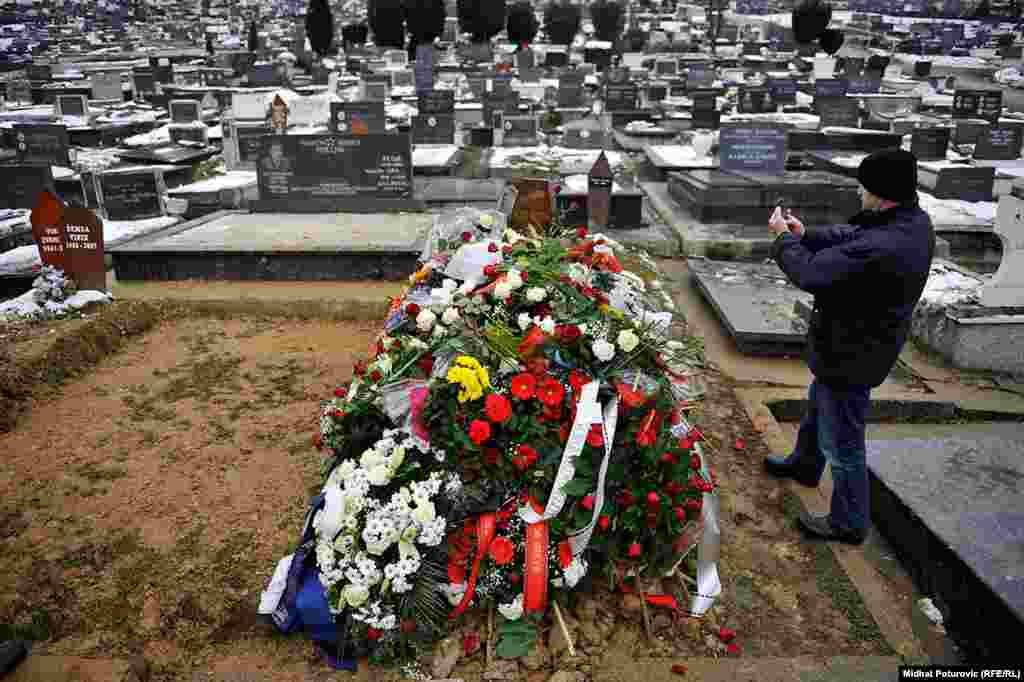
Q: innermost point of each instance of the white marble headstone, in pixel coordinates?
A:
(1006, 288)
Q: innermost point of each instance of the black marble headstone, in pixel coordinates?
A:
(999, 144)
(621, 97)
(830, 87)
(570, 91)
(437, 102)
(20, 185)
(838, 112)
(965, 183)
(357, 118)
(41, 145)
(433, 129)
(752, 148)
(929, 144)
(783, 90)
(520, 131)
(130, 196)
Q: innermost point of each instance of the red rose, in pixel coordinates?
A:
(680, 514)
(479, 431)
(581, 233)
(568, 333)
(564, 554)
(338, 414)
(551, 392)
(726, 634)
(667, 458)
(502, 550)
(733, 648)
(376, 376)
(740, 444)
(652, 499)
(490, 271)
(525, 276)
(523, 386)
(634, 550)
(498, 407)
(426, 363)
(695, 463)
(587, 502)
(595, 438)
(340, 392)
(373, 634)
(528, 453)
(603, 522)
(492, 247)
(412, 310)
(467, 236)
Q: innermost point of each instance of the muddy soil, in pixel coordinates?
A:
(143, 508)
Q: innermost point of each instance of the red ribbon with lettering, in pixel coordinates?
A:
(486, 528)
(535, 585)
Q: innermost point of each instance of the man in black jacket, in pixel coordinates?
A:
(866, 278)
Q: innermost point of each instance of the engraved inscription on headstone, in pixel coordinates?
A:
(930, 144)
(999, 144)
(83, 248)
(752, 148)
(184, 110)
(131, 196)
(72, 105)
(42, 145)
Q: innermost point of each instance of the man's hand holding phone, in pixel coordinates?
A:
(782, 220)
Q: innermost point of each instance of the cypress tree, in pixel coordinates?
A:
(320, 27)
(562, 22)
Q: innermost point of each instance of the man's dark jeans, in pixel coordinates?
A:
(832, 430)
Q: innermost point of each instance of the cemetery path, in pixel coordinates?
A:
(146, 504)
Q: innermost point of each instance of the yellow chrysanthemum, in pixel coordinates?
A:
(470, 376)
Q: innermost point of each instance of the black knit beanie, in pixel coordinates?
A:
(890, 174)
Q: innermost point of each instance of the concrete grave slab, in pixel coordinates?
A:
(755, 303)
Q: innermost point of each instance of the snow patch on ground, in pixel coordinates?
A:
(231, 180)
(947, 285)
(28, 305)
(956, 212)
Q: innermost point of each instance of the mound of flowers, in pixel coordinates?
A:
(517, 429)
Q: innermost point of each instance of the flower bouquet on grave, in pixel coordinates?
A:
(518, 424)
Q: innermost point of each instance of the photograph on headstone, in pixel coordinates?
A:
(838, 112)
(755, 100)
(520, 131)
(358, 118)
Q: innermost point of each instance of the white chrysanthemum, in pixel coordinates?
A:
(628, 340)
(503, 291)
(514, 278)
(355, 595)
(424, 512)
(450, 316)
(525, 321)
(425, 320)
(575, 572)
(380, 475)
(547, 325)
(603, 350)
(513, 610)
(536, 294)
(578, 272)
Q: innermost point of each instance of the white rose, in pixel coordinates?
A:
(440, 330)
(380, 475)
(370, 459)
(514, 279)
(583, 329)
(503, 291)
(536, 294)
(397, 457)
(513, 610)
(425, 512)
(425, 320)
(355, 595)
(603, 350)
(547, 325)
(524, 321)
(628, 340)
(450, 284)
(450, 316)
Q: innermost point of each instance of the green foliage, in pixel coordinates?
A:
(516, 638)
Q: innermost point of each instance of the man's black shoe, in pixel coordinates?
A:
(820, 526)
(776, 466)
(11, 653)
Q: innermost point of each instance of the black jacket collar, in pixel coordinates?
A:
(873, 218)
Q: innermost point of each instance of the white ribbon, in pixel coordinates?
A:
(709, 586)
(579, 540)
(588, 412)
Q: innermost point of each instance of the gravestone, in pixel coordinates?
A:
(314, 173)
(131, 196)
(40, 73)
(999, 144)
(263, 76)
(358, 118)
(570, 91)
(197, 133)
(1006, 288)
(402, 78)
(703, 119)
(437, 102)
(184, 110)
(838, 112)
(143, 82)
(666, 68)
(424, 69)
(433, 129)
(376, 87)
(930, 144)
(986, 104)
(19, 90)
(700, 76)
(477, 83)
(83, 248)
(556, 59)
(755, 100)
(599, 193)
(586, 133)
(752, 148)
(72, 105)
(621, 97)
(863, 85)
(965, 183)
(830, 87)
(162, 70)
(969, 132)
(106, 86)
(48, 230)
(853, 66)
(520, 131)
(20, 185)
(248, 143)
(42, 145)
(656, 92)
(783, 90)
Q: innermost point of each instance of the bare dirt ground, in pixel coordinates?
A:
(144, 505)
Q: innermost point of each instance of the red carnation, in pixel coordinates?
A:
(587, 502)
(502, 550)
(603, 522)
(595, 438)
(498, 407)
(467, 235)
(551, 392)
(412, 310)
(634, 550)
(340, 392)
(490, 271)
(426, 363)
(652, 499)
(726, 634)
(373, 634)
(564, 554)
(680, 514)
(524, 386)
(479, 431)
(492, 247)
(581, 233)
(695, 463)
(568, 333)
